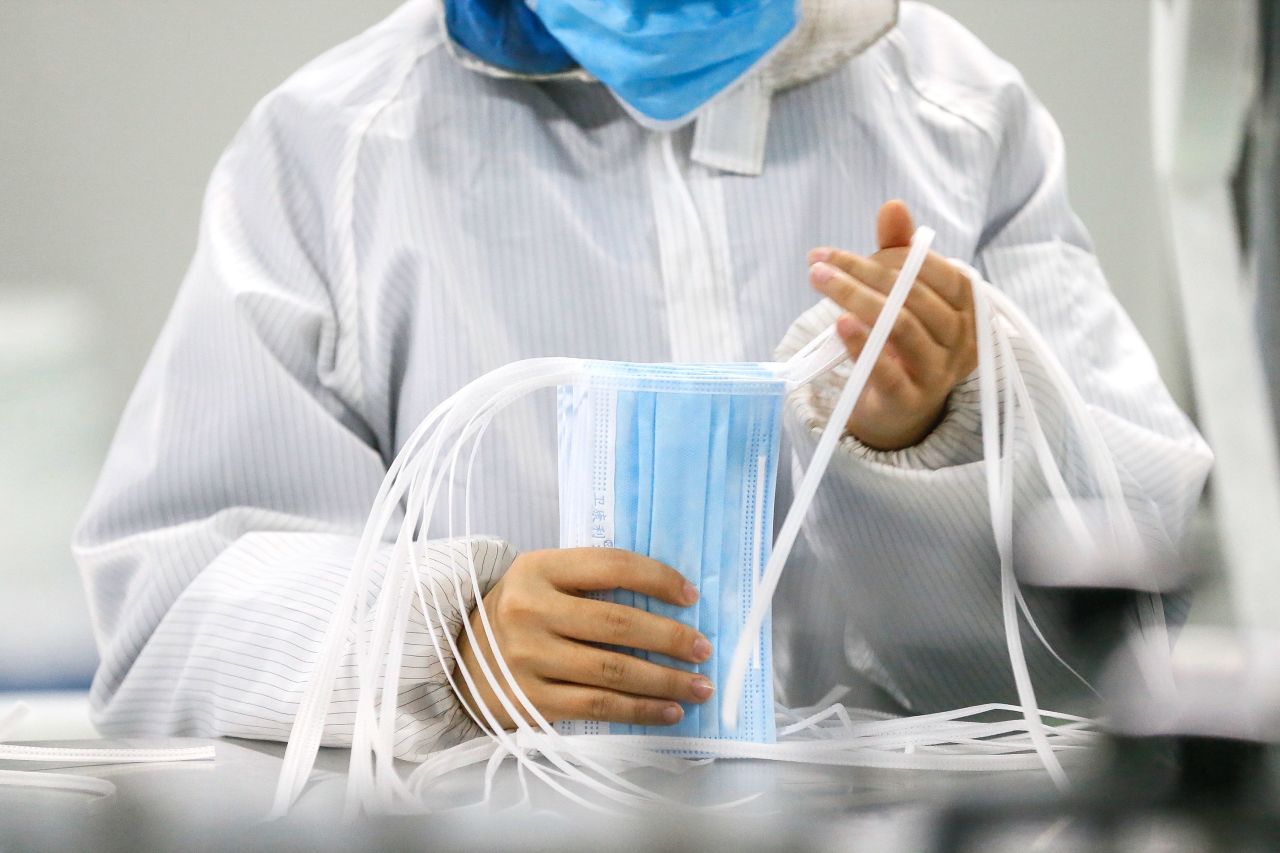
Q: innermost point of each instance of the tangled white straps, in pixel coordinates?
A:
(372, 616)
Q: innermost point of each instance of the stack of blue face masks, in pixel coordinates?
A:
(678, 462)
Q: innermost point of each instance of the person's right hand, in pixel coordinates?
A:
(547, 632)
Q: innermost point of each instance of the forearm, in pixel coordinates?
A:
(233, 654)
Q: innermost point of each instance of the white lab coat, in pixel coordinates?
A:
(390, 224)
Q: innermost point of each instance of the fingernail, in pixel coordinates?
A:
(672, 714)
(702, 688)
(690, 593)
(701, 649)
(821, 253)
(820, 273)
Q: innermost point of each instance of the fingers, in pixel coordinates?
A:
(617, 624)
(888, 377)
(910, 339)
(581, 664)
(591, 569)
(580, 702)
(941, 320)
(937, 273)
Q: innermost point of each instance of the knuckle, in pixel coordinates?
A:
(891, 382)
(617, 622)
(599, 706)
(519, 656)
(529, 563)
(617, 562)
(613, 670)
(514, 607)
(955, 330)
(903, 331)
(912, 328)
(681, 639)
(676, 682)
(899, 330)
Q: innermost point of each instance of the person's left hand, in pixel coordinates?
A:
(932, 345)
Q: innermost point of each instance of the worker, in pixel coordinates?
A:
(473, 182)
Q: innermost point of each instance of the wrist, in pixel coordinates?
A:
(904, 433)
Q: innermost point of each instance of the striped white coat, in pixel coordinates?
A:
(390, 224)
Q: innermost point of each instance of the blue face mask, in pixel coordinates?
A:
(677, 462)
(507, 35)
(664, 59)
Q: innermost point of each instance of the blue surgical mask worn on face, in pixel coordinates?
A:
(678, 462)
(664, 59)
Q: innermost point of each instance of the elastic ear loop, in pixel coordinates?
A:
(1123, 528)
(928, 751)
(999, 469)
(1066, 507)
(374, 657)
(80, 755)
(1057, 486)
(373, 731)
(808, 487)
(308, 724)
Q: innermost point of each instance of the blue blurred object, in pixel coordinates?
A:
(507, 34)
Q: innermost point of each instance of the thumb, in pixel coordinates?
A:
(894, 226)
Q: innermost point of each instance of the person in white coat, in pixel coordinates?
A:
(404, 214)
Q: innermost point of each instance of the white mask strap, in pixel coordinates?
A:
(78, 755)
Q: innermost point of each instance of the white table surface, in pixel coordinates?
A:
(220, 805)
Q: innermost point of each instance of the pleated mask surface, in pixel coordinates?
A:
(677, 462)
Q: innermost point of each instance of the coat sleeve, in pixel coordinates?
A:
(905, 537)
(224, 523)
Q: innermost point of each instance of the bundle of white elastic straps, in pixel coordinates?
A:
(373, 615)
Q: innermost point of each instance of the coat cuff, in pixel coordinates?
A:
(444, 572)
(956, 440)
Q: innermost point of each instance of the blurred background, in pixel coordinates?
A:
(113, 113)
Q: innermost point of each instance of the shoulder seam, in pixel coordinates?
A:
(348, 360)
